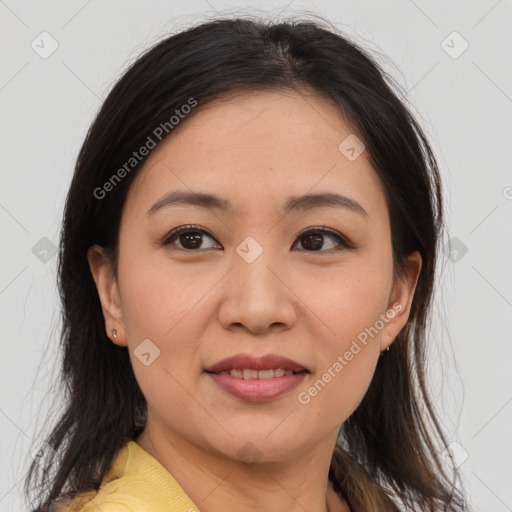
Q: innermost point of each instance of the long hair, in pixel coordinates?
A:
(387, 452)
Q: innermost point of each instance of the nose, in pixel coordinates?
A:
(256, 297)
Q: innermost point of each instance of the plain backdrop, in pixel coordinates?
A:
(59, 60)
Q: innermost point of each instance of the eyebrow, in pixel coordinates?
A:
(294, 203)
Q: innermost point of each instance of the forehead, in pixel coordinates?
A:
(255, 148)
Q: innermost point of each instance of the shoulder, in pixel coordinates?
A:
(136, 482)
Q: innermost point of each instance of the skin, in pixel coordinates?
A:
(200, 307)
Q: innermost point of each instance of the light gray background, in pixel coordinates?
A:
(464, 104)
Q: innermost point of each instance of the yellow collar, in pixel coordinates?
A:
(140, 483)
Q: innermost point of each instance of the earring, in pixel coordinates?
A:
(114, 333)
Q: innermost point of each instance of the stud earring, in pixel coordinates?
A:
(382, 351)
(114, 333)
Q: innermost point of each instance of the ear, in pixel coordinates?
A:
(400, 300)
(108, 291)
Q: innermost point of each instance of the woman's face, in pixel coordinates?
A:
(254, 276)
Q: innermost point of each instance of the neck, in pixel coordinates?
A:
(296, 484)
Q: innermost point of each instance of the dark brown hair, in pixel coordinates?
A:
(387, 455)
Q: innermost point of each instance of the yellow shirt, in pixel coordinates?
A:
(136, 482)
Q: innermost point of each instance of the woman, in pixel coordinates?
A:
(247, 264)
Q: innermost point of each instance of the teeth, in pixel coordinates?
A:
(248, 373)
(265, 374)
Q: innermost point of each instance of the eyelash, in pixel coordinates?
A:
(344, 243)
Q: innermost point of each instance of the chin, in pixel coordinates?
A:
(258, 447)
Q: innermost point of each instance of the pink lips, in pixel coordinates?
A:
(253, 389)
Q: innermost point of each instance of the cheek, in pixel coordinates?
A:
(345, 368)
(351, 300)
(349, 307)
(157, 299)
(165, 306)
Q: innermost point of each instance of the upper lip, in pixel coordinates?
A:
(264, 362)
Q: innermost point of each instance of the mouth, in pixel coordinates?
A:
(251, 373)
(257, 379)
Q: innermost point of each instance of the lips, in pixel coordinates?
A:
(257, 379)
(263, 367)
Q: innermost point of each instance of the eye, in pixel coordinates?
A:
(189, 237)
(313, 240)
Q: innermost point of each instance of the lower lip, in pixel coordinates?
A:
(258, 390)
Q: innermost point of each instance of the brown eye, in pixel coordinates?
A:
(187, 238)
(192, 238)
(314, 240)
